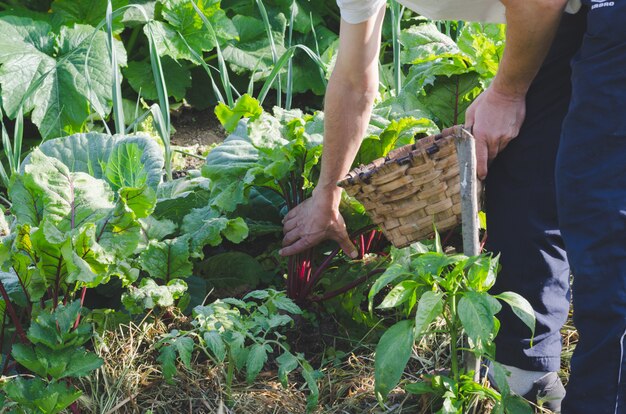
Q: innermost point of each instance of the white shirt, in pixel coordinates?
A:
(357, 11)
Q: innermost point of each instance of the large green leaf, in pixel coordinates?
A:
(474, 310)
(13, 288)
(91, 12)
(26, 204)
(232, 269)
(207, 226)
(256, 359)
(521, 307)
(49, 74)
(86, 153)
(85, 259)
(177, 78)
(392, 354)
(424, 43)
(177, 198)
(429, 307)
(182, 28)
(130, 157)
(252, 51)
(449, 97)
(167, 259)
(119, 231)
(227, 167)
(69, 199)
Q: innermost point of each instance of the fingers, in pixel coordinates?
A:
(346, 245)
(291, 237)
(298, 247)
(289, 225)
(482, 158)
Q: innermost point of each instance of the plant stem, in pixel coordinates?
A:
(230, 373)
(11, 310)
(454, 353)
(347, 287)
(82, 301)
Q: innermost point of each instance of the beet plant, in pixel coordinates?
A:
(280, 153)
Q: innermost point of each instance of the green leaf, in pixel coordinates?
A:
(177, 78)
(284, 303)
(393, 273)
(69, 199)
(287, 362)
(90, 12)
(13, 288)
(71, 363)
(245, 107)
(484, 44)
(207, 226)
(167, 259)
(514, 404)
(140, 200)
(134, 162)
(35, 394)
(183, 29)
(56, 84)
(419, 388)
(429, 307)
(150, 295)
(119, 231)
(55, 330)
(256, 359)
(424, 43)
(521, 307)
(177, 198)
(227, 165)
(401, 293)
(86, 260)
(474, 311)
(215, 344)
(252, 52)
(26, 204)
(449, 97)
(397, 133)
(167, 358)
(309, 375)
(134, 159)
(26, 357)
(232, 269)
(392, 354)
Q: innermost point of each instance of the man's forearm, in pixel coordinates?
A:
(347, 112)
(350, 95)
(531, 25)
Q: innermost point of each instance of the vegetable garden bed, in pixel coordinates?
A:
(139, 265)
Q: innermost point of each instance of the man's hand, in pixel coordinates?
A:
(495, 118)
(315, 220)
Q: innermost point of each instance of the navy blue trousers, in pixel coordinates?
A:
(522, 215)
(591, 200)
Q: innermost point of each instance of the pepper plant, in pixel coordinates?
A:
(427, 285)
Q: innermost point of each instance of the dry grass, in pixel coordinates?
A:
(130, 380)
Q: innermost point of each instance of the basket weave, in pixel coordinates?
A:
(411, 188)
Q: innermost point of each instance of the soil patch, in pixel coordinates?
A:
(195, 127)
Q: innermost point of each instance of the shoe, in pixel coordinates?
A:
(547, 392)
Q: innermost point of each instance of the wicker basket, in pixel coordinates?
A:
(412, 188)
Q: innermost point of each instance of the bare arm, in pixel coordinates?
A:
(349, 98)
(498, 113)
